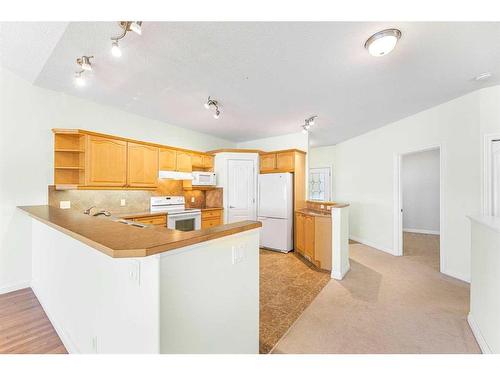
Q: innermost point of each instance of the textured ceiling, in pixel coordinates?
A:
(268, 76)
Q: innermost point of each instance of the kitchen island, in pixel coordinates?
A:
(108, 287)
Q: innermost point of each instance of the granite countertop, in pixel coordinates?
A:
(123, 241)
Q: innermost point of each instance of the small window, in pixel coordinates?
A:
(319, 184)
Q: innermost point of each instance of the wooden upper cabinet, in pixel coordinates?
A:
(184, 163)
(267, 162)
(142, 169)
(197, 160)
(106, 162)
(167, 159)
(208, 161)
(285, 161)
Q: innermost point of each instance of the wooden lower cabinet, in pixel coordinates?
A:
(313, 239)
(158, 220)
(211, 218)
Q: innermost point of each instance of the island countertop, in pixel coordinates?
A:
(124, 241)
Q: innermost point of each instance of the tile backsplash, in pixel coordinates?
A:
(135, 200)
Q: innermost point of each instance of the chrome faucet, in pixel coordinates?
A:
(87, 211)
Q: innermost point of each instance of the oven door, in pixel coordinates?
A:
(184, 222)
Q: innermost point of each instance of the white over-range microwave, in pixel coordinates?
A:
(204, 179)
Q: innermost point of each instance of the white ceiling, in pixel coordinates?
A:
(268, 76)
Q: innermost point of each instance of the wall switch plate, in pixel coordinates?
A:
(65, 204)
(123, 202)
(238, 253)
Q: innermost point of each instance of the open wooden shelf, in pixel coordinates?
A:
(67, 150)
(80, 168)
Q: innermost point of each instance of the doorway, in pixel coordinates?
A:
(241, 191)
(418, 205)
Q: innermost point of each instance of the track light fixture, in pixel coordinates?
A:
(308, 122)
(84, 62)
(213, 103)
(135, 26)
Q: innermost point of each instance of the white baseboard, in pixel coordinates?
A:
(478, 335)
(68, 343)
(13, 287)
(372, 244)
(421, 231)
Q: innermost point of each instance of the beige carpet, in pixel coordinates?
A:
(386, 304)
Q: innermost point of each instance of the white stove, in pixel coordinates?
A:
(179, 217)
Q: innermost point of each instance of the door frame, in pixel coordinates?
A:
(487, 204)
(398, 201)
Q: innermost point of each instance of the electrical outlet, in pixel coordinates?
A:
(94, 344)
(322, 206)
(123, 202)
(192, 199)
(134, 272)
(65, 204)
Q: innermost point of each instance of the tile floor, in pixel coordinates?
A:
(287, 286)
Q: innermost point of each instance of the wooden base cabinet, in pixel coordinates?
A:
(211, 218)
(313, 239)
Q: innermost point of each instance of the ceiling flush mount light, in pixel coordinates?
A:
(213, 103)
(483, 76)
(135, 26)
(84, 62)
(383, 42)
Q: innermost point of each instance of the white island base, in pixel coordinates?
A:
(202, 298)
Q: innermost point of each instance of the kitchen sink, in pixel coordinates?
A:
(128, 222)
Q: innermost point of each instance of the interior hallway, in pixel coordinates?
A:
(387, 304)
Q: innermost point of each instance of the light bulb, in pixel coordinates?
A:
(382, 46)
(216, 115)
(79, 80)
(206, 105)
(86, 64)
(304, 131)
(135, 26)
(311, 122)
(115, 49)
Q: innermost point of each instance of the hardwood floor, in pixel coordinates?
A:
(24, 327)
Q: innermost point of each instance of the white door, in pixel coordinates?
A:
(495, 148)
(241, 191)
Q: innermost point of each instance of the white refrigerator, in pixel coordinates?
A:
(275, 211)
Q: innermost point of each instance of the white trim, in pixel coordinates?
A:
(375, 245)
(478, 335)
(487, 208)
(13, 287)
(398, 217)
(67, 342)
(421, 231)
